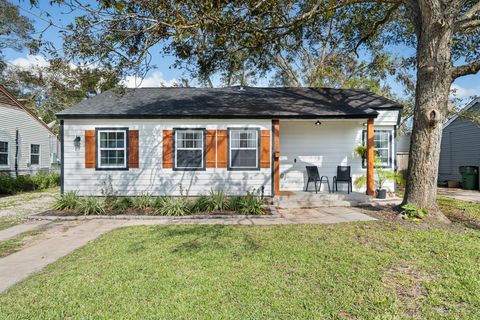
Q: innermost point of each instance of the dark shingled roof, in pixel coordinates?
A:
(231, 102)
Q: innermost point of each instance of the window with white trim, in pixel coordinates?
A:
(382, 144)
(189, 149)
(34, 154)
(3, 153)
(243, 153)
(112, 149)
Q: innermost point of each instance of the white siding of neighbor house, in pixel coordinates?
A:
(460, 147)
(327, 146)
(30, 132)
(150, 177)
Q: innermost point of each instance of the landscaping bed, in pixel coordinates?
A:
(216, 203)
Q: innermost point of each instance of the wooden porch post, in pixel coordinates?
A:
(370, 158)
(276, 157)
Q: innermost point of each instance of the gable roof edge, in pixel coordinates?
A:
(21, 106)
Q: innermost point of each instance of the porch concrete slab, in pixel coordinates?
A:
(460, 194)
(9, 233)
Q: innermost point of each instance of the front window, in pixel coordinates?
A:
(112, 149)
(189, 151)
(3, 153)
(35, 154)
(243, 149)
(382, 144)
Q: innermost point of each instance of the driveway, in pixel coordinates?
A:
(460, 194)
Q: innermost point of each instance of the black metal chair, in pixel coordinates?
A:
(314, 176)
(343, 175)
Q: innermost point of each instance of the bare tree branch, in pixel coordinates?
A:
(466, 69)
(468, 22)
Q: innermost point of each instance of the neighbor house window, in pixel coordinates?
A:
(35, 154)
(189, 149)
(112, 148)
(382, 144)
(3, 153)
(243, 151)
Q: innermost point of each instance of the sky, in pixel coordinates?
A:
(164, 74)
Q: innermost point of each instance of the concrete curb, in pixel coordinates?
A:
(273, 210)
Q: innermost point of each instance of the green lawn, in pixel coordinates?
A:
(348, 271)
(464, 212)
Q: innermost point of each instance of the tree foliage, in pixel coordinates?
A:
(49, 89)
(15, 30)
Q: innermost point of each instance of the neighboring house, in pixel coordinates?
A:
(27, 144)
(460, 145)
(186, 141)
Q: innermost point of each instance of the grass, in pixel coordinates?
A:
(8, 222)
(347, 271)
(464, 212)
(20, 198)
(15, 244)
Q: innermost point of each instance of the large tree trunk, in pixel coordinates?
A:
(431, 107)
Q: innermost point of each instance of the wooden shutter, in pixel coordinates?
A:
(167, 153)
(211, 148)
(90, 148)
(222, 148)
(133, 149)
(265, 149)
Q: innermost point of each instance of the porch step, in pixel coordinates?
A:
(313, 200)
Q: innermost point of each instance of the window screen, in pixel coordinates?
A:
(244, 149)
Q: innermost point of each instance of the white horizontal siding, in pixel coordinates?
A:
(387, 118)
(326, 146)
(151, 178)
(30, 132)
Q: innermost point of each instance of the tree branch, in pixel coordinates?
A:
(466, 69)
(468, 21)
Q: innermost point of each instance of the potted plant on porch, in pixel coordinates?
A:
(382, 175)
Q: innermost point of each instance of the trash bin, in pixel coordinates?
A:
(469, 177)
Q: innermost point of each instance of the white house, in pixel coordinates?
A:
(179, 141)
(27, 144)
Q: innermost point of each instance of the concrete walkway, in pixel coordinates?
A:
(460, 194)
(9, 233)
(65, 236)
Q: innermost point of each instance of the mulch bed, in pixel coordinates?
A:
(135, 212)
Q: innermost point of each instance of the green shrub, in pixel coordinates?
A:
(249, 204)
(7, 184)
(142, 202)
(122, 204)
(44, 180)
(69, 200)
(215, 201)
(411, 212)
(91, 206)
(172, 206)
(12, 185)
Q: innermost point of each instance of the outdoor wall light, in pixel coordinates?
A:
(76, 142)
(318, 123)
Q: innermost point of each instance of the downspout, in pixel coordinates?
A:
(62, 175)
(16, 152)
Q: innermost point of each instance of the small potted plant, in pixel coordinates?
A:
(382, 175)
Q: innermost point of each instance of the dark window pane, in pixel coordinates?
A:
(3, 159)
(3, 146)
(189, 158)
(244, 159)
(34, 159)
(35, 148)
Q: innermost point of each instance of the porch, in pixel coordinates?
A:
(326, 145)
(302, 199)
